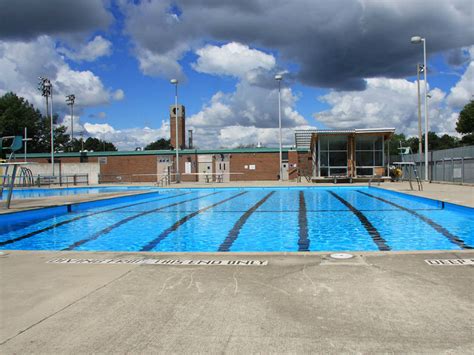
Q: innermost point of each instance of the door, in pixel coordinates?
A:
(222, 167)
(204, 167)
(163, 166)
(284, 168)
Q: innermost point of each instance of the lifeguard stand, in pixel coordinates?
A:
(408, 167)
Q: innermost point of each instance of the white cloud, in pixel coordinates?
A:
(94, 49)
(21, 63)
(98, 129)
(128, 138)
(387, 103)
(233, 136)
(233, 59)
(463, 91)
(248, 110)
(118, 95)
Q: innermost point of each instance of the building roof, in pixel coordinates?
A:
(165, 152)
(303, 137)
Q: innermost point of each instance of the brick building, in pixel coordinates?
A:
(195, 165)
(319, 154)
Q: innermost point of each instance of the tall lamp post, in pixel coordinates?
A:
(419, 69)
(418, 40)
(279, 78)
(70, 102)
(46, 89)
(175, 83)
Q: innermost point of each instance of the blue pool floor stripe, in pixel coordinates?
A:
(303, 241)
(183, 220)
(128, 219)
(234, 232)
(373, 232)
(452, 238)
(55, 225)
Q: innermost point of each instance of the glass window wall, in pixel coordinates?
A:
(332, 155)
(369, 154)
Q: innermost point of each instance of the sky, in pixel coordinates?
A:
(345, 64)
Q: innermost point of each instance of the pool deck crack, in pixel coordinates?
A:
(66, 307)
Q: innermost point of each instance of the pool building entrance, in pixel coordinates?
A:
(349, 154)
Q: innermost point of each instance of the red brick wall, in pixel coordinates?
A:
(266, 166)
(126, 166)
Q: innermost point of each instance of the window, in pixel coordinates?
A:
(369, 154)
(332, 155)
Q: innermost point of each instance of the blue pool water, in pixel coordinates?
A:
(251, 220)
(39, 192)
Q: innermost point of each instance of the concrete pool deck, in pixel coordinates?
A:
(457, 194)
(299, 303)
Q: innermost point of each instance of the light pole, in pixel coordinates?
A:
(279, 78)
(417, 40)
(46, 89)
(70, 102)
(419, 69)
(175, 83)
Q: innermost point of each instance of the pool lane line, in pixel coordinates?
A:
(128, 219)
(303, 241)
(451, 237)
(373, 232)
(234, 232)
(55, 225)
(183, 220)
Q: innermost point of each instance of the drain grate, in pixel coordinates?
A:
(450, 261)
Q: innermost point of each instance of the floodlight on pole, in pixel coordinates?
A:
(175, 83)
(279, 78)
(418, 40)
(70, 102)
(46, 89)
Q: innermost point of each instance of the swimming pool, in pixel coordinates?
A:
(250, 220)
(39, 192)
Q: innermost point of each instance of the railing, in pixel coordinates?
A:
(128, 178)
(61, 180)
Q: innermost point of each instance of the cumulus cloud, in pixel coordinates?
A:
(233, 59)
(312, 34)
(463, 91)
(129, 138)
(94, 49)
(251, 111)
(386, 103)
(21, 63)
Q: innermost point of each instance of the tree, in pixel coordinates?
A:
(94, 144)
(465, 123)
(160, 144)
(16, 113)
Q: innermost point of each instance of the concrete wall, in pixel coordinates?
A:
(92, 169)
